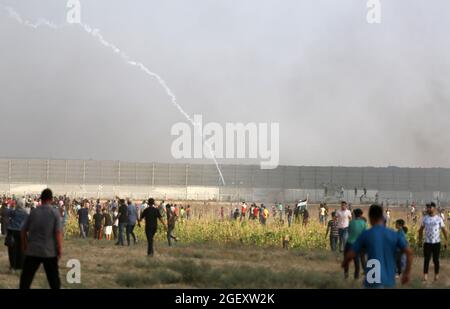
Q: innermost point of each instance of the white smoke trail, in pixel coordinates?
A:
(96, 34)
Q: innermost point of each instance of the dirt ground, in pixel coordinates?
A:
(104, 265)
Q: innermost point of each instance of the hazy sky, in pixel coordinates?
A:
(345, 92)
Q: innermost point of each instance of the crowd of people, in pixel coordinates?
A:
(34, 228)
(385, 246)
(279, 212)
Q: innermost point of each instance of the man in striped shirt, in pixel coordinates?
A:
(332, 227)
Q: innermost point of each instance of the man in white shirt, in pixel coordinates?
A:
(343, 218)
(433, 225)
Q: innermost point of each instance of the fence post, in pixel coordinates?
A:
(28, 172)
(84, 172)
(186, 180)
(118, 175)
(135, 174)
(48, 172)
(153, 175)
(67, 170)
(9, 175)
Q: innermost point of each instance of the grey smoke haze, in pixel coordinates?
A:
(344, 92)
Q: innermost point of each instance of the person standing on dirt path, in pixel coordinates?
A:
(42, 243)
(433, 225)
(381, 245)
(151, 215)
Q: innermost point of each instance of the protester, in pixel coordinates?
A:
(42, 243)
(151, 214)
(355, 228)
(123, 221)
(108, 224)
(188, 212)
(432, 224)
(332, 227)
(116, 223)
(171, 220)
(98, 224)
(289, 214)
(401, 257)
(381, 245)
(343, 218)
(132, 219)
(322, 212)
(83, 220)
(4, 218)
(16, 219)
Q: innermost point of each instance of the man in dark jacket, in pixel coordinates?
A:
(123, 221)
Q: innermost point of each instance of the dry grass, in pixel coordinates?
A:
(104, 265)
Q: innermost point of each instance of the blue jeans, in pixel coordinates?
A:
(343, 235)
(333, 243)
(130, 231)
(83, 230)
(122, 227)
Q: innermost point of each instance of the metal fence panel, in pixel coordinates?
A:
(241, 180)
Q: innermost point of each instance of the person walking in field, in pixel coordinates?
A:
(98, 224)
(256, 213)
(236, 214)
(222, 213)
(17, 217)
(381, 245)
(243, 211)
(265, 214)
(123, 221)
(322, 211)
(115, 228)
(332, 227)
(280, 211)
(432, 224)
(289, 215)
(171, 220)
(388, 216)
(401, 257)
(132, 219)
(305, 217)
(188, 212)
(83, 220)
(343, 218)
(151, 215)
(355, 228)
(4, 218)
(42, 243)
(108, 224)
(182, 214)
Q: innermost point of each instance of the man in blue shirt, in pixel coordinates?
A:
(381, 245)
(132, 219)
(83, 220)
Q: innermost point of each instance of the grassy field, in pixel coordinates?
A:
(217, 254)
(104, 265)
